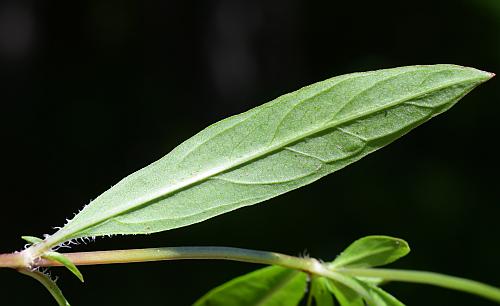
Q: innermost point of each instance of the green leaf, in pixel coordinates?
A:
(371, 280)
(274, 148)
(369, 294)
(271, 286)
(320, 292)
(371, 251)
(381, 297)
(345, 295)
(31, 239)
(54, 256)
(49, 284)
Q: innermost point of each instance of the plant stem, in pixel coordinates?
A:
(308, 265)
(429, 278)
(180, 253)
(16, 260)
(12, 260)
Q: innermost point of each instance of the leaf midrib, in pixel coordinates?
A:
(162, 193)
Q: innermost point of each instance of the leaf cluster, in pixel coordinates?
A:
(278, 286)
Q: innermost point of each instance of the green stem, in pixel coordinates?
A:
(308, 265)
(180, 253)
(16, 260)
(429, 278)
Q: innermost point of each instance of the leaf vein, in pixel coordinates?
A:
(367, 89)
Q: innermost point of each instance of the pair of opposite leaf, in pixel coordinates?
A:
(271, 149)
(55, 256)
(278, 286)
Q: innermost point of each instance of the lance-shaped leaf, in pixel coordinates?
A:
(345, 295)
(371, 251)
(271, 286)
(348, 297)
(274, 148)
(49, 284)
(55, 256)
(381, 297)
(32, 239)
(319, 292)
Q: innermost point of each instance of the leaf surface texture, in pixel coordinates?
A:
(274, 148)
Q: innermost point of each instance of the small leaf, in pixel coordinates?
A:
(320, 292)
(371, 280)
(31, 239)
(279, 146)
(381, 297)
(49, 284)
(371, 294)
(371, 251)
(271, 286)
(54, 256)
(345, 295)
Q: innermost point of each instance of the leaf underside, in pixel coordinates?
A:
(274, 148)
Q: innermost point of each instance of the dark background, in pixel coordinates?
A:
(94, 90)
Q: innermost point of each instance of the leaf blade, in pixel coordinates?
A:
(274, 148)
(372, 294)
(49, 284)
(381, 297)
(345, 295)
(31, 239)
(270, 286)
(55, 256)
(320, 292)
(371, 251)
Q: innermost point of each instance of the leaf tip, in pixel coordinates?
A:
(477, 74)
(485, 75)
(31, 239)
